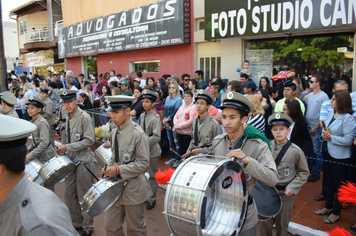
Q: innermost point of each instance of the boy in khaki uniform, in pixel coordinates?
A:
(292, 171)
(253, 154)
(205, 128)
(131, 158)
(8, 101)
(80, 137)
(48, 111)
(151, 125)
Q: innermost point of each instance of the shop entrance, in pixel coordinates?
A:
(90, 66)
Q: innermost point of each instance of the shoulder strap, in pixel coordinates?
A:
(282, 152)
(239, 143)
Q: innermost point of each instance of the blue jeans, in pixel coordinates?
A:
(316, 164)
(173, 144)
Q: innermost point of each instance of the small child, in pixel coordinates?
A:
(292, 171)
(246, 69)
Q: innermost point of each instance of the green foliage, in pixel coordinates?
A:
(322, 51)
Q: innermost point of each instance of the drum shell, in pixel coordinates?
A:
(32, 169)
(102, 195)
(57, 169)
(103, 155)
(189, 190)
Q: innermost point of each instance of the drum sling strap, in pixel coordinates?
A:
(279, 158)
(144, 122)
(196, 142)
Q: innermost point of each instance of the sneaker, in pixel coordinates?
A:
(171, 161)
(176, 164)
(313, 178)
(352, 229)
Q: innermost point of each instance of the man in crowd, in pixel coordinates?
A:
(234, 86)
(199, 75)
(250, 88)
(26, 208)
(69, 75)
(289, 92)
(185, 83)
(215, 91)
(314, 101)
(142, 81)
(49, 78)
(79, 128)
(125, 88)
(70, 84)
(243, 79)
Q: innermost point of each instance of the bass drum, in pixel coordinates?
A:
(103, 155)
(57, 169)
(206, 196)
(268, 201)
(32, 169)
(102, 195)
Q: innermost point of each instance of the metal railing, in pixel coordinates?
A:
(36, 35)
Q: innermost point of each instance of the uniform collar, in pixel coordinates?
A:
(128, 125)
(13, 109)
(33, 120)
(75, 113)
(207, 116)
(149, 113)
(235, 140)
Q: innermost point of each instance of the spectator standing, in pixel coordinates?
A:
(137, 107)
(289, 92)
(193, 86)
(314, 101)
(199, 76)
(150, 81)
(273, 94)
(125, 88)
(256, 118)
(234, 86)
(113, 77)
(250, 88)
(264, 84)
(185, 83)
(142, 81)
(262, 95)
(172, 104)
(53, 96)
(215, 91)
(84, 102)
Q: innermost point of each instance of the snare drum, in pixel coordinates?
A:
(103, 155)
(206, 196)
(57, 169)
(102, 195)
(268, 201)
(32, 169)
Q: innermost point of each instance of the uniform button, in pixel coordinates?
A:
(24, 203)
(230, 148)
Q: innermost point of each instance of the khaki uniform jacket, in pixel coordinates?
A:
(12, 113)
(32, 210)
(261, 167)
(48, 111)
(293, 169)
(208, 129)
(41, 147)
(134, 156)
(153, 130)
(82, 136)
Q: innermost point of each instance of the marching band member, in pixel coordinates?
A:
(131, 155)
(80, 136)
(252, 153)
(293, 172)
(205, 128)
(48, 111)
(8, 101)
(41, 147)
(26, 208)
(151, 125)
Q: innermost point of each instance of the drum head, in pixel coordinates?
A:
(206, 196)
(105, 193)
(268, 204)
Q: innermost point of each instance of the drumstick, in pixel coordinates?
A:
(277, 195)
(91, 172)
(175, 152)
(106, 165)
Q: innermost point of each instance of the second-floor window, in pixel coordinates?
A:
(23, 27)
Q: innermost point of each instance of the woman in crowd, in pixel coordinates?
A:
(19, 94)
(171, 106)
(193, 86)
(256, 118)
(299, 133)
(262, 95)
(89, 91)
(183, 121)
(273, 95)
(150, 81)
(159, 106)
(137, 107)
(115, 91)
(105, 92)
(160, 83)
(84, 102)
(338, 134)
(14, 85)
(264, 84)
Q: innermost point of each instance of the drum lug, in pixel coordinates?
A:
(125, 183)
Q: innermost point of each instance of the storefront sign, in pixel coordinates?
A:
(230, 18)
(40, 58)
(154, 25)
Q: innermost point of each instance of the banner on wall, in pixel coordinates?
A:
(40, 58)
(224, 19)
(158, 24)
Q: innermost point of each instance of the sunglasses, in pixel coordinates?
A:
(187, 80)
(311, 81)
(172, 87)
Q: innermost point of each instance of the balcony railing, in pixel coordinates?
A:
(36, 35)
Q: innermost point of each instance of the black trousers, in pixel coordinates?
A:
(184, 141)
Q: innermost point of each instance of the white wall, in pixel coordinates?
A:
(10, 38)
(232, 50)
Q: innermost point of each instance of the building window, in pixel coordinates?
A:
(211, 66)
(23, 27)
(145, 66)
(201, 25)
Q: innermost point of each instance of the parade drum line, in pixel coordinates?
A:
(57, 169)
(32, 169)
(268, 201)
(102, 195)
(103, 155)
(206, 196)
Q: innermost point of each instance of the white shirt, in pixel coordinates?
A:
(142, 83)
(113, 79)
(291, 130)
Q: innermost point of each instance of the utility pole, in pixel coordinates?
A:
(3, 77)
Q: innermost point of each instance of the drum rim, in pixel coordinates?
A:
(280, 207)
(217, 165)
(49, 173)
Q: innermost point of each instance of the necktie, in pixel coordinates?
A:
(196, 142)
(68, 130)
(116, 148)
(144, 123)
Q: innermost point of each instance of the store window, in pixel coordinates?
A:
(145, 66)
(211, 66)
(23, 27)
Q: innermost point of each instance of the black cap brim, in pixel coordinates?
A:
(149, 96)
(280, 122)
(35, 103)
(115, 107)
(68, 98)
(205, 97)
(235, 104)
